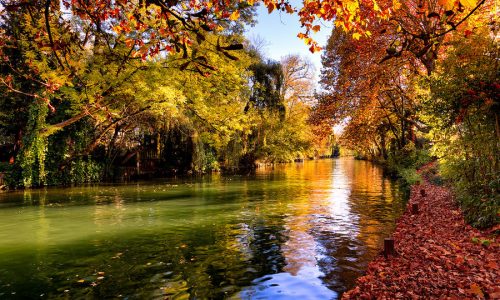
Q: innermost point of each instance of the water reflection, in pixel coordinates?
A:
(297, 231)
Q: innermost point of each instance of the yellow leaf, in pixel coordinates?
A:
(81, 281)
(468, 3)
(352, 6)
(356, 36)
(375, 6)
(235, 15)
(251, 2)
(368, 33)
(396, 4)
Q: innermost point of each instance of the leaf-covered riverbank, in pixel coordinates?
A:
(438, 254)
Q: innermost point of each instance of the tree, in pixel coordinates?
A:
(375, 99)
(463, 108)
(63, 70)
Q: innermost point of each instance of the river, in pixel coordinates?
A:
(297, 231)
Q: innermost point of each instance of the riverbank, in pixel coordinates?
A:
(437, 255)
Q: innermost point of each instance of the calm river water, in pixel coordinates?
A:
(303, 231)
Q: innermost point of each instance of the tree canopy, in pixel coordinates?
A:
(95, 89)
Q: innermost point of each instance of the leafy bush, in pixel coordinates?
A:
(462, 110)
(5, 167)
(405, 162)
(410, 176)
(481, 211)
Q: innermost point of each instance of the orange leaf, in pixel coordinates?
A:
(270, 7)
(314, 48)
(129, 42)
(476, 289)
(447, 4)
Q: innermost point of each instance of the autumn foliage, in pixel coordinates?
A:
(437, 255)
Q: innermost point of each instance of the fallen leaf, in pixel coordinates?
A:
(476, 289)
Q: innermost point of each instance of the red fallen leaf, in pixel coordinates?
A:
(443, 250)
(459, 260)
(436, 253)
(492, 265)
(471, 261)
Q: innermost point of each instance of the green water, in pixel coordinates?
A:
(304, 231)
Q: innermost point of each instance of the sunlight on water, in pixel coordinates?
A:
(303, 230)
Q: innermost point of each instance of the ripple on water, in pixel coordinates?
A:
(305, 285)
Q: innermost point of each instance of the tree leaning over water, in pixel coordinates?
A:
(84, 101)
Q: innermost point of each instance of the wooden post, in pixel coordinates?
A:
(389, 247)
(414, 208)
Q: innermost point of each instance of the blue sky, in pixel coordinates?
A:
(280, 30)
